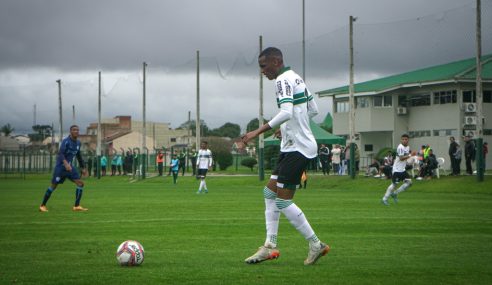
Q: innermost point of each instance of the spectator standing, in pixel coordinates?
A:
(324, 158)
(175, 168)
(335, 158)
(104, 162)
(470, 153)
(182, 162)
(457, 160)
(159, 159)
(452, 151)
(119, 163)
(128, 163)
(193, 157)
(114, 162)
(89, 165)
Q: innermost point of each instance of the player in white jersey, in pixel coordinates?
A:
(399, 171)
(298, 145)
(204, 162)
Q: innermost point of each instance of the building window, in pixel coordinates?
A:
(382, 101)
(445, 97)
(419, 100)
(342, 106)
(445, 132)
(361, 102)
(368, 147)
(419, 134)
(470, 97)
(173, 140)
(487, 132)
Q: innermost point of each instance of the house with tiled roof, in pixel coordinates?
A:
(429, 104)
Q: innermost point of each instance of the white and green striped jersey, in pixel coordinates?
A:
(204, 160)
(295, 98)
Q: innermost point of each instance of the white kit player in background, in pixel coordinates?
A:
(203, 162)
(296, 106)
(399, 172)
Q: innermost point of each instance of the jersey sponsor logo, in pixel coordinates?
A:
(279, 88)
(288, 89)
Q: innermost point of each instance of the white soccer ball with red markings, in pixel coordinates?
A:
(130, 253)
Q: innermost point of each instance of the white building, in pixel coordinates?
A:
(429, 104)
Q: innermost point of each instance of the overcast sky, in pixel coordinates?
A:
(42, 41)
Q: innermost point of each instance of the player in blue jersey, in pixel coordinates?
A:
(69, 149)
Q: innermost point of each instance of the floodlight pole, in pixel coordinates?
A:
(60, 113)
(99, 135)
(197, 123)
(303, 41)
(479, 96)
(261, 143)
(351, 100)
(144, 131)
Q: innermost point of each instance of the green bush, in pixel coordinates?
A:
(249, 162)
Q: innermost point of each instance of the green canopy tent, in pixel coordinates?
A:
(320, 135)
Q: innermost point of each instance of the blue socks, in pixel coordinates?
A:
(78, 195)
(47, 195)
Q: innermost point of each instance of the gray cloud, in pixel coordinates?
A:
(41, 41)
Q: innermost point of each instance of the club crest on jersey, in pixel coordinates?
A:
(279, 88)
(57, 179)
(299, 81)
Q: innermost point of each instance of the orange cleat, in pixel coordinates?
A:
(79, 209)
(43, 208)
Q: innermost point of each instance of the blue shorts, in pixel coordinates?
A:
(60, 174)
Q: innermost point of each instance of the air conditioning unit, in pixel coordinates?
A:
(470, 107)
(401, 110)
(470, 120)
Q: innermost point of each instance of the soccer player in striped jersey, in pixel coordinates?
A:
(298, 145)
(399, 171)
(69, 149)
(203, 162)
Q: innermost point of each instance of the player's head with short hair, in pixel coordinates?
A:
(203, 145)
(404, 139)
(74, 131)
(271, 61)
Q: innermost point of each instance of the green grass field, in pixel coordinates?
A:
(439, 233)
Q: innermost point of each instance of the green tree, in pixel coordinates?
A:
(7, 129)
(192, 124)
(221, 151)
(41, 132)
(229, 130)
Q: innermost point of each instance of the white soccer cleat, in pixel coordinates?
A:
(315, 253)
(263, 253)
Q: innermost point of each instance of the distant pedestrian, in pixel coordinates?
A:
(324, 158)
(159, 159)
(470, 153)
(174, 168)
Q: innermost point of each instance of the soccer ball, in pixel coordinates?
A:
(130, 253)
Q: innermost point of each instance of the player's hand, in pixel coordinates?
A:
(68, 167)
(277, 134)
(414, 153)
(84, 172)
(247, 137)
